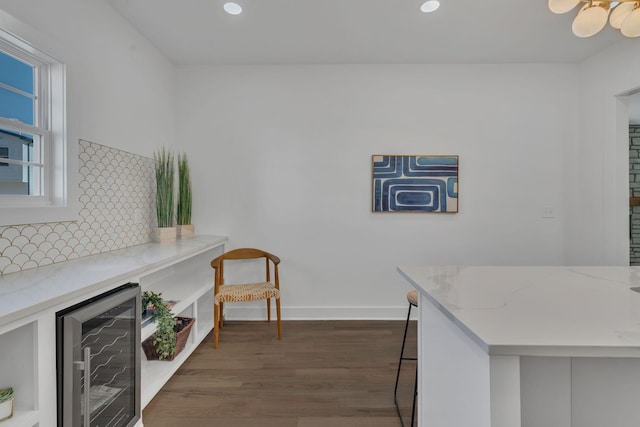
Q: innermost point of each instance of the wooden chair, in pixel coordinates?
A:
(245, 291)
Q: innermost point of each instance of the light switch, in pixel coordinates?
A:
(548, 212)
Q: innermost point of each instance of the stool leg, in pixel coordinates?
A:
(415, 395)
(395, 390)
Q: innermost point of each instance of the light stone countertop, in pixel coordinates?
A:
(538, 311)
(32, 291)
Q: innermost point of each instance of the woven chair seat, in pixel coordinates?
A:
(246, 292)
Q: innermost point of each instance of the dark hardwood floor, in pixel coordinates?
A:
(321, 374)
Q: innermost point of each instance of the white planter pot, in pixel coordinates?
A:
(6, 409)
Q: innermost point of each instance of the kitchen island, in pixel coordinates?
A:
(527, 346)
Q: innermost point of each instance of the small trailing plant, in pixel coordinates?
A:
(184, 191)
(165, 173)
(6, 394)
(164, 339)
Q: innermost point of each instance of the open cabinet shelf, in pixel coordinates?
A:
(190, 284)
(18, 370)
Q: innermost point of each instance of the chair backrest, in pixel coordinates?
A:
(244, 254)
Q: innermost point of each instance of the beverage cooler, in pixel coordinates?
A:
(98, 360)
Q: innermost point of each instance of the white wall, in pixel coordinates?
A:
(120, 88)
(281, 159)
(119, 94)
(292, 147)
(599, 233)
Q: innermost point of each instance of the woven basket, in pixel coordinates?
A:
(183, 328)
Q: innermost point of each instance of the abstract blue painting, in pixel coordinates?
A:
(415, 183)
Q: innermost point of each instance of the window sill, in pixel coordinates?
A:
(37, 215)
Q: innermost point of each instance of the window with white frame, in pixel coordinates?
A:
(32, 126)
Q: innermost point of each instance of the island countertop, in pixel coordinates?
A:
(539, 311)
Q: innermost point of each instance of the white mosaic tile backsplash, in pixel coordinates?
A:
(117, 210)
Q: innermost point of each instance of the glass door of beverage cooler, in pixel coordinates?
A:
(99, 361)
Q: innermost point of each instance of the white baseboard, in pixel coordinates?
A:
(238, 312)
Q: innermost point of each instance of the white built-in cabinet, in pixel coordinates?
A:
(29, 301)
(191, 286)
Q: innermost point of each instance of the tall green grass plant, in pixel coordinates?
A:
(165, 175)
(184, 191)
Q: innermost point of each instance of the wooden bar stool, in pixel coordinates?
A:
(412, 297)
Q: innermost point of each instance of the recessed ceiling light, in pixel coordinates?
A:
(430, 6)
(232, 8)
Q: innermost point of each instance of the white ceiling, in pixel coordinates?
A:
(364, 32)
(360, 32)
